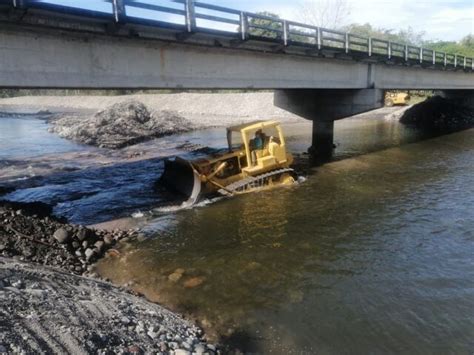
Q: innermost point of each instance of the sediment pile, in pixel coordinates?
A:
(28, 231)
(438, 113)
(120, 125)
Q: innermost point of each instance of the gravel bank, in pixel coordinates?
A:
(205, 110)
(48, 311)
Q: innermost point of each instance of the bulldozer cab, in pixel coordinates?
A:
(270, 151)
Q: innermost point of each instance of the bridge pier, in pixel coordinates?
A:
(323, 107)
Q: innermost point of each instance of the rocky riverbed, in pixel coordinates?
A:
(52, 310)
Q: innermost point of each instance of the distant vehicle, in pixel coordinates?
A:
(248, 165)
(396, 98)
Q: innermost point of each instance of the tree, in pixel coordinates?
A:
(265, 28)
(331, 14)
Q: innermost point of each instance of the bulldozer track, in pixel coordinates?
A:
(252, 182)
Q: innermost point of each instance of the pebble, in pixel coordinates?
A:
(81, 234)
(89, 253)
(62, 235)
(199, 349)
(175, 277)
(194, 282)
(181, 352)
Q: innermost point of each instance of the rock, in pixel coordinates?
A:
(82, 234)
(89, 253)
(211, 347)
(108, 240)
(152, 334)
(199, 349)
(194, 282)
(181, 352)
(62, 235)
(99, 245)
(18, 284)
(175, 277)
(125, 320)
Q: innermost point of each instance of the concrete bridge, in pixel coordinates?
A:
(320, 74)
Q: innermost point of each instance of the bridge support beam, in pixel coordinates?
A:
(323, 107)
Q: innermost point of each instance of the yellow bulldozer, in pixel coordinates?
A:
(396, 98)
(256, 158)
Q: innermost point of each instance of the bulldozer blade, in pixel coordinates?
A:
(180, 177)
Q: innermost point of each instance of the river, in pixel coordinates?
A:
(372, 253)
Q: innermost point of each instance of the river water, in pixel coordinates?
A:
(373, 253)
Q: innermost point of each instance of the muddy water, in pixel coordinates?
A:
(372, 253)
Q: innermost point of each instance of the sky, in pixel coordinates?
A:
(440, 19)
(448, 20)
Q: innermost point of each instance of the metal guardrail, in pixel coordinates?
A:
(187, 15)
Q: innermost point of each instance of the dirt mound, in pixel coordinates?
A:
(438, 113)
(122, 124)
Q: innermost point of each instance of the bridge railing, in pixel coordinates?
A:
(193, 16)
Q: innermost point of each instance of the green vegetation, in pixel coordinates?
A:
(464, 47)
(272, 28)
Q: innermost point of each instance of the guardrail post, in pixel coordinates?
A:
(421, 55)
(406, 52)
(319, 38)
(369, 46)
(434, 57)
(389, 50)
(455, 60)
(445, 59)
(190, 15)
(347, 43)
(286, 32)
(244, 26)
(119, 10)
(465, 62)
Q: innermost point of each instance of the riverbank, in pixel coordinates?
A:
(48, 309)
(45, 310)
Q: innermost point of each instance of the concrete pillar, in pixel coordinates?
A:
(322, 144)
(324, 106)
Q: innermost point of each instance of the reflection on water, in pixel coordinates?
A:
(372, 254)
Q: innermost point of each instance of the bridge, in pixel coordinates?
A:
(317, 73)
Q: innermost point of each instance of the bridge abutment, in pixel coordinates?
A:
(324, 106)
